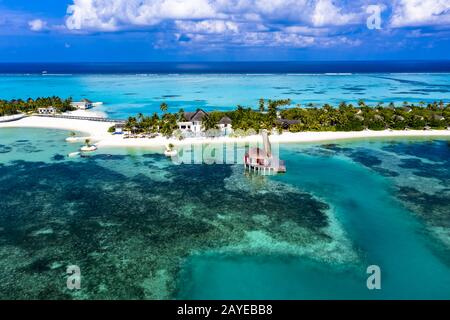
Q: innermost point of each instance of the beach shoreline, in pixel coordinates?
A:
(98, 133)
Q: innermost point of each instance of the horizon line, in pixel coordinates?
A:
(231, 62)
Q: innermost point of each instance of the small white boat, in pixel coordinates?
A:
(170, 153)
(72, 139)
(88, 148)
(96, 104)
(74, 154)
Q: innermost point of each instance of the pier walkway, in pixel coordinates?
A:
(98, 119)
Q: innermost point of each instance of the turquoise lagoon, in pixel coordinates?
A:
(141, 227)
(128, 94)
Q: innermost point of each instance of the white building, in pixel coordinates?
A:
(83, 104)
(193, 122)
(119, 128)
(48, 110)
(225, 125)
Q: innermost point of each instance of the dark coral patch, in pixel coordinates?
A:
(122, 231)
(58, 157)
(5, 149)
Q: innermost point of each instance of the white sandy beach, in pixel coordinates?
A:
(97, 132)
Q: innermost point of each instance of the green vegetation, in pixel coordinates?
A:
(10, 107)
(143, 124)
(168, 125)
(268, 115)
(350, 118)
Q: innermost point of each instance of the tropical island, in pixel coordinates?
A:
(284, 121)
(276, 116)
(30, 105)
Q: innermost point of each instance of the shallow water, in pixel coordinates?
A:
(382, 231)
(126, 95)
(141, 227)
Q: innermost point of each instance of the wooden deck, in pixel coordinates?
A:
(263, 161)
(264, 169)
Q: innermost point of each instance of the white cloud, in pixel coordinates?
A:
(295, 23)
(37, 25)
(327, 14)
(420, 13)
(310, 31)
(113, 15)
(208, 26)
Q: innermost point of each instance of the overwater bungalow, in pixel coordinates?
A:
(83, 104)
(262, 160)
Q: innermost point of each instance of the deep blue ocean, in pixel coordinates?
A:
(228, 67)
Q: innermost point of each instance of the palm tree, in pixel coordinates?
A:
(168, 125)
(87, 142)
(261, 105)
(209, 123)
(131, 123)
(164, 107)
(180, 115)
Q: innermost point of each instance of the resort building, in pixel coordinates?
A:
(48, 110)
(286, 124)
(225, 125)
(119, 128)
(193, 122)
(83, 104)
(407, 109)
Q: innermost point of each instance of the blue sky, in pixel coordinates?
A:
(222, 30)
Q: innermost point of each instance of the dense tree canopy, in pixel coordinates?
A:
(345, 117)
(10, 107)
(350, 118)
